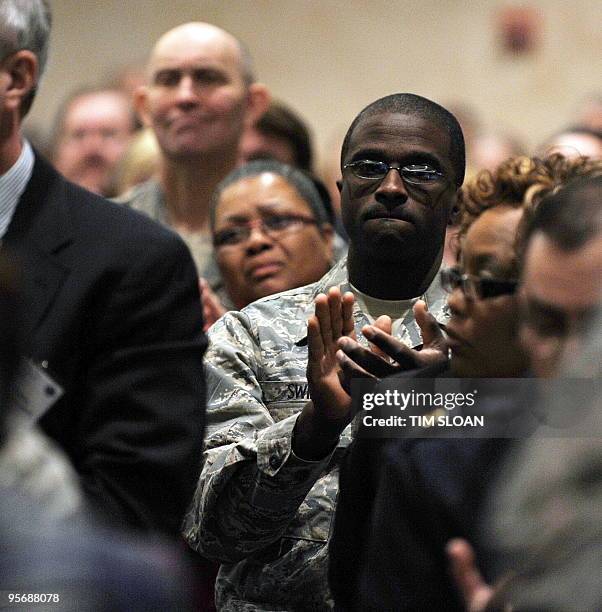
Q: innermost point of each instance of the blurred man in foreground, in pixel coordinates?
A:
(112, 323)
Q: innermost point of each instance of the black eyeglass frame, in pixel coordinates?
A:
(477, 286)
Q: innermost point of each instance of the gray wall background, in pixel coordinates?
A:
(329, 58)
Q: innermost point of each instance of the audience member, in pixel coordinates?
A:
(111, 314)
(278, 134)
(436, 486)
(279, 419)
(93, 129)
(270, 233)
(542, 520)
(201, 93)
(46, 546)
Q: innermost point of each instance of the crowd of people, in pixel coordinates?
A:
(181, 366)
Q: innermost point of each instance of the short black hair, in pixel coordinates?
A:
(282, 122)
(570, 217)
(412, 104)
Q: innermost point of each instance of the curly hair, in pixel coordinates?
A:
(520, 182)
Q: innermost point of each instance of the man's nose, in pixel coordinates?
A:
(392, 189)
(186, 92)
(92, 143)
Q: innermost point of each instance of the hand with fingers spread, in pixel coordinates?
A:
(359, 362)
(323, 419)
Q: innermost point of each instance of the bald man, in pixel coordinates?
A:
(199, 97)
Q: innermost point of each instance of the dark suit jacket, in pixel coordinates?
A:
(400, 501)
(112, 307)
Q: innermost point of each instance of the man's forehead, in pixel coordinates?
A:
(104, 99)
(201, 43)
(388, 130)
(565, 278)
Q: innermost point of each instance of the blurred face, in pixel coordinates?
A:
(388, 219)
(255, 145)
(575, 145)
(196, 101)
(561, 292)
(288, 254)
(483, 332)
(96, 132)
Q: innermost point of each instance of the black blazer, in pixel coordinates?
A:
(112, 308)
(400, 501)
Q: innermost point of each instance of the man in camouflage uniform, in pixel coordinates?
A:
(278, 419)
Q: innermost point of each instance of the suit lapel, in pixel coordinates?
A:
(38, 232)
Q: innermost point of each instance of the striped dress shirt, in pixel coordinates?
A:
(12, 185)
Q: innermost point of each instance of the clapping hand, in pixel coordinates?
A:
(389, 355)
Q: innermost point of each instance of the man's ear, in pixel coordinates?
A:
(22, 70)
(258, 101)
(141, 105)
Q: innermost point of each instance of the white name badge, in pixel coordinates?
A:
(36, 391)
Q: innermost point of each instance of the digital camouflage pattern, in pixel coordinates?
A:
(148, 198)
(261, 511)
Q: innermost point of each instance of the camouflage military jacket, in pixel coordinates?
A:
(148, 198)
(260, 510)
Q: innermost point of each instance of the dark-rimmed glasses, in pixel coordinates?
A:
(415, 174)
(272, 225)
(476, 287)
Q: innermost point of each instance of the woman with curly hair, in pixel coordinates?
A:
(519, 182)
(483, 329)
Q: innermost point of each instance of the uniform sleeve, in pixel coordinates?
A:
(252, 484)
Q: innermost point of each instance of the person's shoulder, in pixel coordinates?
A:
(283, 302)
(141, 196)
(99, 219)
(282, 315)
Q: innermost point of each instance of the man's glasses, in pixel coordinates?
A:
(274, 226)
(476, 287)
(415, 174)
